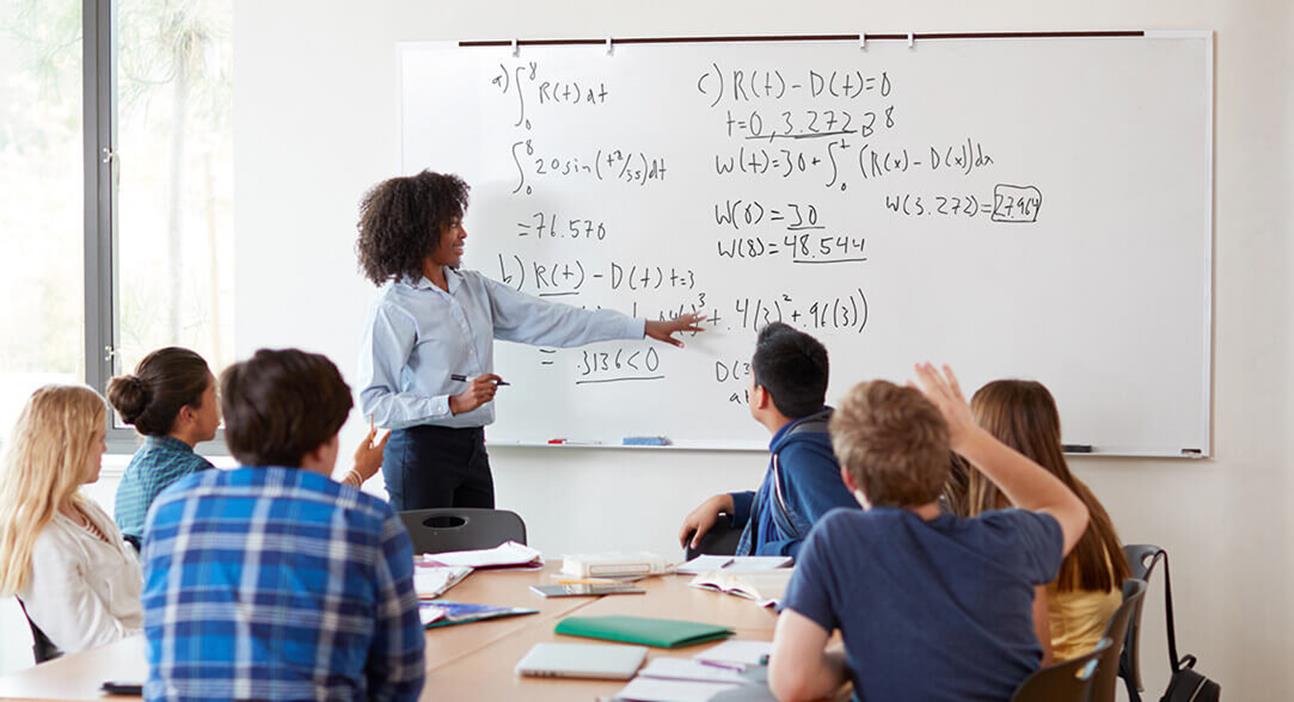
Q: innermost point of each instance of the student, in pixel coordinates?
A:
(1071, 612)
(272, 581)
(427, 358)
(930, 606)
(171, 400)
(59, 552)
(789, 386)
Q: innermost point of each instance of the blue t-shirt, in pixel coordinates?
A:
(938, 610)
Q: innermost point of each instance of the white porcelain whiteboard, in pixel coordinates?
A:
(1037, 208)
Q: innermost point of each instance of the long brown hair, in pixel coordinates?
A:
(1022, 414)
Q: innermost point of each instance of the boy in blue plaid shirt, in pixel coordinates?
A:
(272, 581)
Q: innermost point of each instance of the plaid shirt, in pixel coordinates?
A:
(278, 583)
(161, 461)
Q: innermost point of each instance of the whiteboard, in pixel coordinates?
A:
(1026, 208)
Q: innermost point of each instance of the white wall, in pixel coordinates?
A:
(315, 120)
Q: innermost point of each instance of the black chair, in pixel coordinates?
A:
(721, 540)
(134, 541)
(461, 528)
(1107, 672)
(1070, 681)
(1142, 559)
(41, 647)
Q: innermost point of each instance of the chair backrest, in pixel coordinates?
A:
(42, 649)
(1142, 559)
(1107, 673)
(461, 528)
(1069, 681)
(721, 540)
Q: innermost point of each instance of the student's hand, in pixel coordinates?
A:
(368, 456)
(702, 519)
(942, 390)
(664, 331)
(479, 391)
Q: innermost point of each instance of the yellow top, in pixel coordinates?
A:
(1078, 619)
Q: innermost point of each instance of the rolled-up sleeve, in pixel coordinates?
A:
(531, 320)
(388, 342)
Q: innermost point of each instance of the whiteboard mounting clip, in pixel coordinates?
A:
(516, 48)
(862, 41)
(609, 48)
(912, 38)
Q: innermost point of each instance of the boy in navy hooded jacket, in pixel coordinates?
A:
(789, 373)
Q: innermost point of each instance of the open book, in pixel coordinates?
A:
(431, 582)
(765, 587)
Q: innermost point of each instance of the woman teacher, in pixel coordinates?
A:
(433, 321)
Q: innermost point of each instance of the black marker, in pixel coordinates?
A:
(1077, 448)
(463, 379)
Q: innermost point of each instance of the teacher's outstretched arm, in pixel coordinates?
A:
(528, 319)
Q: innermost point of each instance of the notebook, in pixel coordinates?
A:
(662, 633)
(508, 554)
(738, 652)
(441, 613)
(557, 660)
(765, 587)
(733, 564)
(656, 690)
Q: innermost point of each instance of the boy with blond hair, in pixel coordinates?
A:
(930, 606)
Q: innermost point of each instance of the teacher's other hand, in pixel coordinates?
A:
(665, 331)
(480, 390)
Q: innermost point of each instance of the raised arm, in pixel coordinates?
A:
(1026, 484)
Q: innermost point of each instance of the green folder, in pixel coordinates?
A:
(663, 633)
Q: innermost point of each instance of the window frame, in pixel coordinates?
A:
(99, 109)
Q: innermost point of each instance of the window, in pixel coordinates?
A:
(174, 178)
(42, 211)
(116, 189)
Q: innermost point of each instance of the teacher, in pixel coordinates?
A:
(433, 322)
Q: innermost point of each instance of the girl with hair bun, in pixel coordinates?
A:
(60, 554)
(171, 400)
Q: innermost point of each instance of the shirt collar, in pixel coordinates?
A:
(453, 278)
(169, 443)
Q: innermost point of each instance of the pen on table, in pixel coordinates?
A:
(463, 379)
(726, 666)
(570, 442)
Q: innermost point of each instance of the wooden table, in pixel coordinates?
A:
(469, 661)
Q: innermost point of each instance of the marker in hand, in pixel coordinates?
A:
(464, 379)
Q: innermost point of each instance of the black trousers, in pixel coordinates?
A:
(428, 466)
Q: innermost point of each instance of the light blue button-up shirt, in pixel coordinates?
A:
(418, 335)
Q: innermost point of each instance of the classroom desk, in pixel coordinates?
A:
(469, 661)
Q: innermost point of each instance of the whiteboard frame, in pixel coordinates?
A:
(1204, 451)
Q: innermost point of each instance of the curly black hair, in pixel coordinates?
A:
(400, 221)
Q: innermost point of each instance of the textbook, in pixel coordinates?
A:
(431, 581)
(765, 587)
(611, 565)
(441, 613)
(662, 633)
